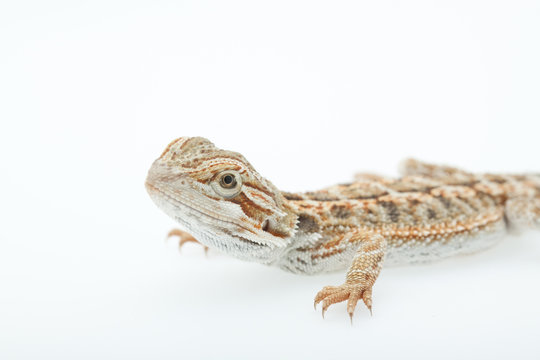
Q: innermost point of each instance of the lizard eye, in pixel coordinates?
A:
(227, 181)
(228, 184)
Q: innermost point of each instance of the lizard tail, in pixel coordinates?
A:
(523, 212)
(409, 167)
(522, 208)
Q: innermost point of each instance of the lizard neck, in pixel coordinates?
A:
(283, 225)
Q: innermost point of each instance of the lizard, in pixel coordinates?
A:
(431, 212)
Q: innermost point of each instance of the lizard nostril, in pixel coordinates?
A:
(265, 225)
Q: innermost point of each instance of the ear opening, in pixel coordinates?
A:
(265, 225)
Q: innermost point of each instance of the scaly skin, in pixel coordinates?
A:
(431, 212)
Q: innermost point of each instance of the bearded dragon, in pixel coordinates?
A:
(431, 212)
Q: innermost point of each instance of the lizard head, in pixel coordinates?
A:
(221, 200)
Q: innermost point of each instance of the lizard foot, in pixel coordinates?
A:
(352, 292)
(184, 238)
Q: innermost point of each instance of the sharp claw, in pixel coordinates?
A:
(181, 244)
(332, 295)
(169, 235)
(173, 232)
(368, 305)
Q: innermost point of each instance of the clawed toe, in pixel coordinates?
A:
(185, 238)
(330, 295)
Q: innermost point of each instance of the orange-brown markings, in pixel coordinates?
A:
(208, 173)
(445, 231)
(497, 191)
(257, 213)
(227, 156)
(453, 191)
(257, 187)
(194, 163)
(249, 208)
(441, 232)
(151, 187)
(326, 254)
(169, 147)
(378, 258)
(275, 232)
(341, 211)
(292, 196)
(254, 194)
(371, 247)
(332, 247)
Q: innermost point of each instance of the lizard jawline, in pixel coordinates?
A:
(175, 201)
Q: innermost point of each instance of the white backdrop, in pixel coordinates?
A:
(310, 92)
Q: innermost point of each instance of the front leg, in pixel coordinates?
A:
(363, 272)
(184, 238)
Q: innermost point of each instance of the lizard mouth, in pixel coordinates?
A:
(154, 189)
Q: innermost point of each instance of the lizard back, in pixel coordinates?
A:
(423, 217)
